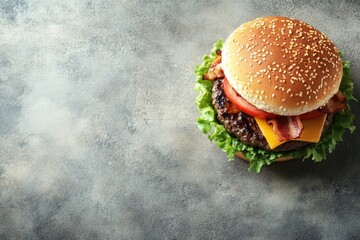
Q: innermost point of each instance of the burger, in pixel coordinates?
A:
(276, 89)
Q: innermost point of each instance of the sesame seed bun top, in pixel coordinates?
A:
(281, 65)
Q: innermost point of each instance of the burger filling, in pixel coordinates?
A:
(244, 126)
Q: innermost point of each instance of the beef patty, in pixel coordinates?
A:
(244, 127)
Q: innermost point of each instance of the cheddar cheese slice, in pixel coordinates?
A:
(311, 132)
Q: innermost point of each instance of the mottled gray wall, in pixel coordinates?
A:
(98, 137)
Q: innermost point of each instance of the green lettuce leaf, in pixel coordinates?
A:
(217, 133)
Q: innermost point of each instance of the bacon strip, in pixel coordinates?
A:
(215, 70)
(286, 128)
(336, 103)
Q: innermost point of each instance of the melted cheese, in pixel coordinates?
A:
(311, 132)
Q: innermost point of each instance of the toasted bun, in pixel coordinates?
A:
(281, 65)
(281, 159)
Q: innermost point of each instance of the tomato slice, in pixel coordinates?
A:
(244, 105)
(251, 110)
(313, 114)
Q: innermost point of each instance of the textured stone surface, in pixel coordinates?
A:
(98, 137)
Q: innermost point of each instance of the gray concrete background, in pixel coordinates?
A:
(98, 137)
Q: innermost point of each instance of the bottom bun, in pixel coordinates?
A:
(282, 159)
